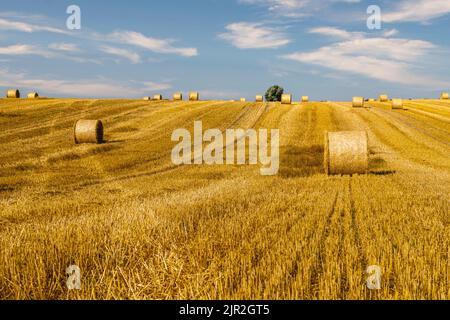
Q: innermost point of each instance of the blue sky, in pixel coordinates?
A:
(226, 49)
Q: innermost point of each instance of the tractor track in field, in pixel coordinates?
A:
(405, 121)
(320, 257)
(170, 167)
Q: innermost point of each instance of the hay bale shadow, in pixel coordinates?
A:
(301, 161)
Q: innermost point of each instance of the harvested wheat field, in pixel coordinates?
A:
(140, 227)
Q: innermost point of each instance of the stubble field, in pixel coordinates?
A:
(140, 227)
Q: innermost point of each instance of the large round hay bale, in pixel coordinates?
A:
(305, 99)
(33, 95)
(358, 102)
(286, 99)
(178, 96)
(346, 152)
(88, 131)
(384, 98)
(157, 97)
(194, 96)
(259, 98)
(13, 94)
(242, 100)
(444, 96)
(147, 98)
(397, 104)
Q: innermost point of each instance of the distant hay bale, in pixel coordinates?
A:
(178, 96)
(13, 94)
(242, 100)
(147, 98)
(384, 98)
(157, 97)
(286, 99)
(358, 102)
(371, 100)
(397, 104)
(259, 98)
(305, 99)
(444, 96)
(88, 131)
(33, 95)
(194, 96)
(346, 153)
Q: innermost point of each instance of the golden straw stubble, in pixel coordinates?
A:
(13, 94)
(346, 153)
(88, 131)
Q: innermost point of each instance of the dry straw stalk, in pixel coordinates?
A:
(88, 131)
(358, 102)
(178, 96)
(13, 94)
(194, 96)
(346, 153)
(397, 104)
(286, 99)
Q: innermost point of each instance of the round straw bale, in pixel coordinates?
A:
(346, 152)
(157, 97)
(147, 98)
(286, 99)
(33, 95)
(88, 131)
(384, 98)
(13, 94)
(178, 96)
(358, 102)
(194, 96)
(305, 99)
(397, 104)
(259, 98)
(243, 100)
(444, 96)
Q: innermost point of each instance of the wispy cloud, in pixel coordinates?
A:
(152, 44)
(24, 49)
(133, 57)
(417, 11)
(386, 59)
(6, 24)
(98, 88)
(65, 47)
(246, 35)
(337, 33)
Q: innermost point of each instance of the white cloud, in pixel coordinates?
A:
(336, 33)
(245, 35)
(133, 57)
(417, 11)
(27, 27)
(65, 47)
(24, 49)
(153, 86)
(384, 59)
(93, 88)
(156, 45)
